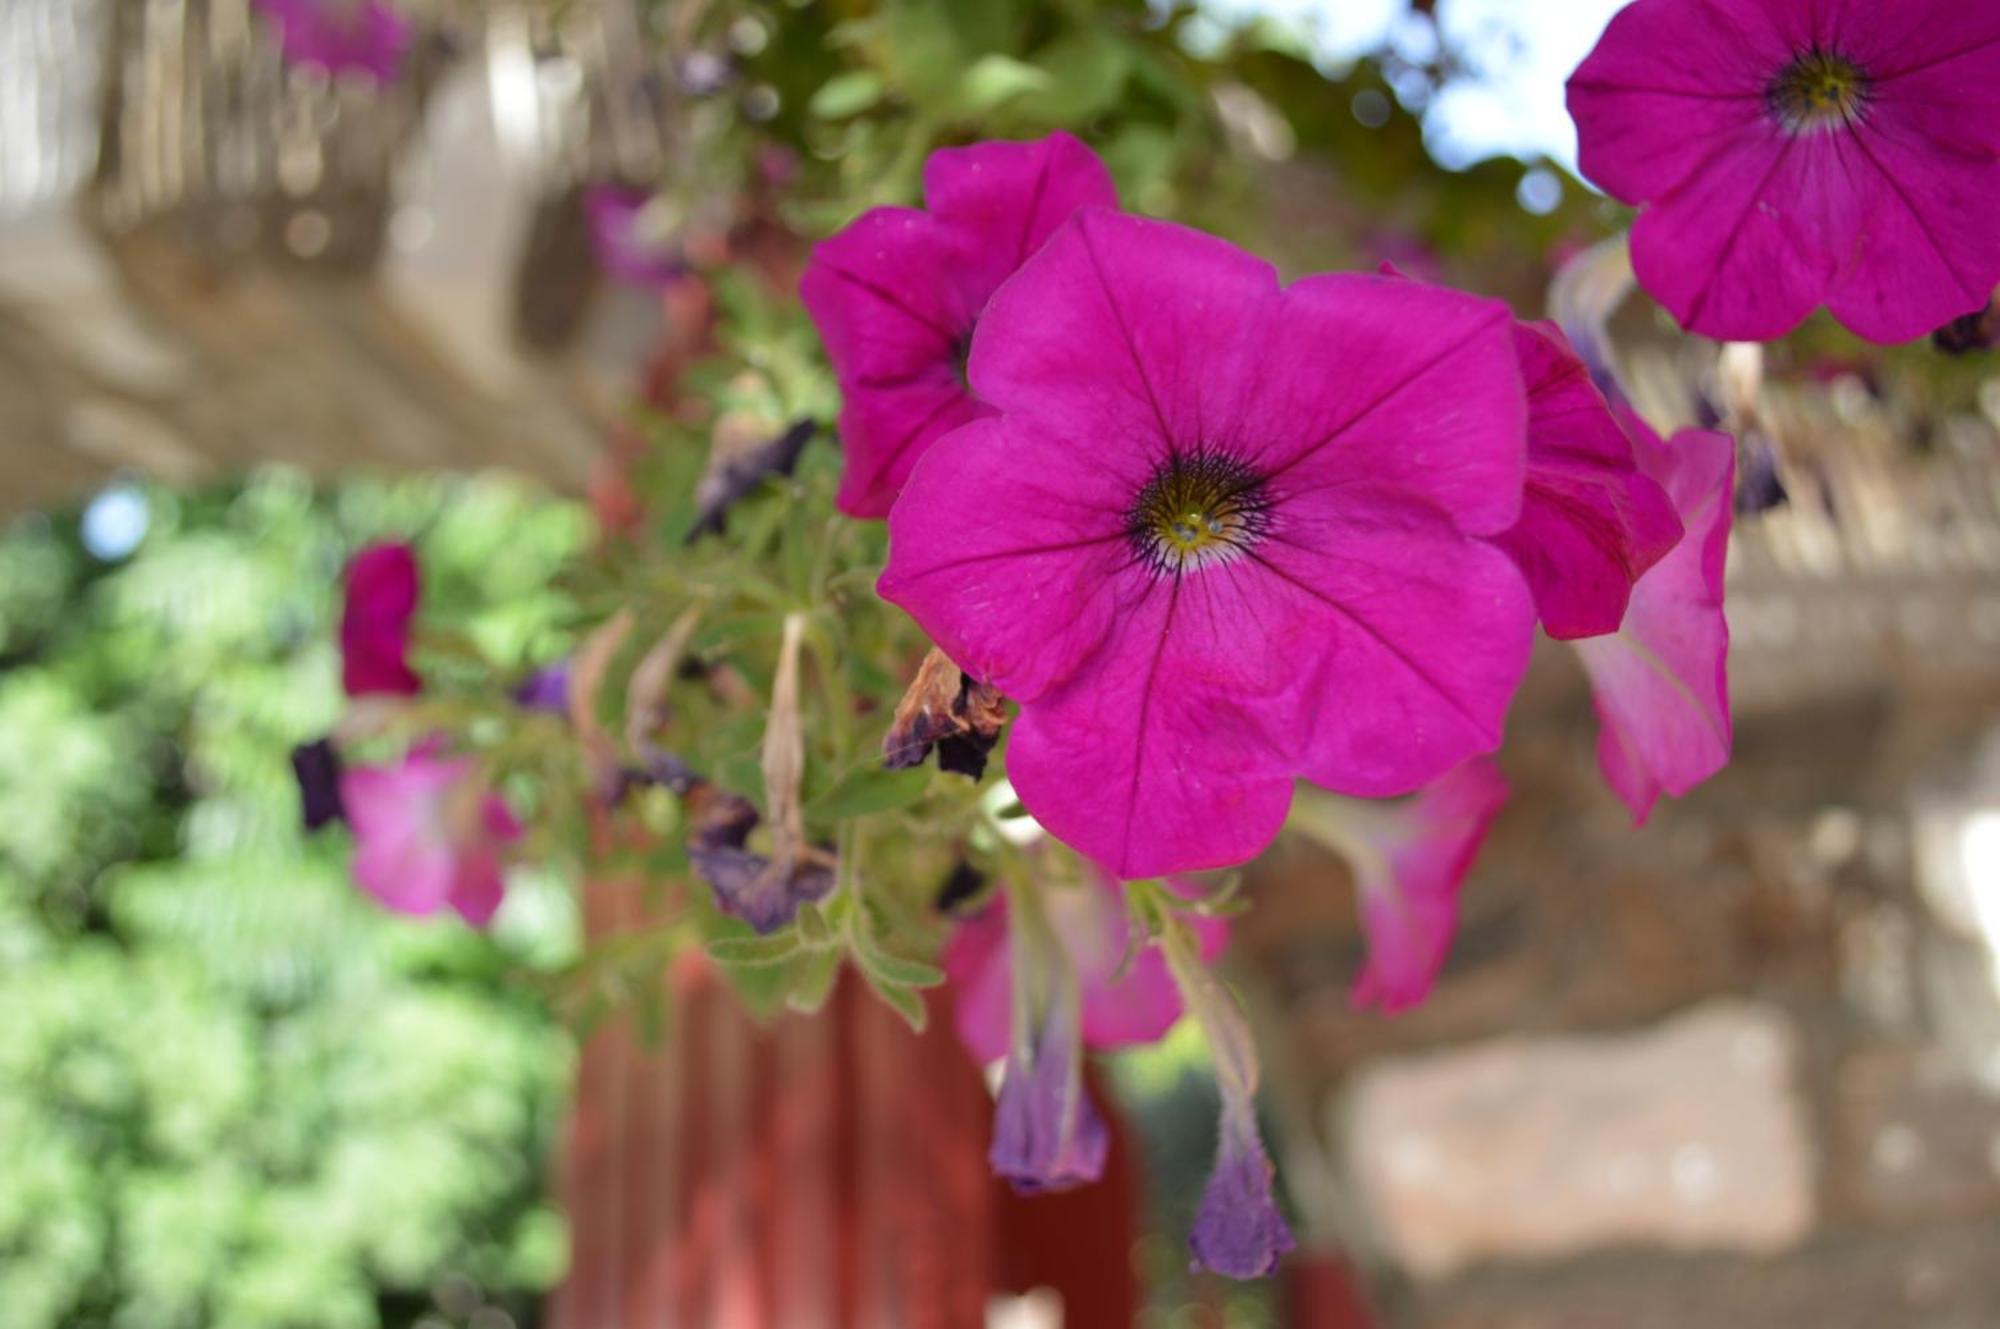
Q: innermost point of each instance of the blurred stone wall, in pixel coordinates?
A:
(1737, 1069)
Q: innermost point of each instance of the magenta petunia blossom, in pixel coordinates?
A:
(1661, 683)
(897, 293)
(1591, 521)
(1792, 153)
(1221, 535)
(380, 600)
(428, 833)
(1126, 1000)
(1409, 861)
(367, 36)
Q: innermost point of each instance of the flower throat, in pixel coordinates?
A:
(1198, 509)
(1819, 90)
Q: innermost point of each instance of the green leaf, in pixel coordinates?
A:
(752, 952)
(896, 970)
(870, 789)
(905, 1001)
(995, 80)
(846, 94)
(814, 983)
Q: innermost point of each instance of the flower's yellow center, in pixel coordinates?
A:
(1819, 90)
(1198, 509)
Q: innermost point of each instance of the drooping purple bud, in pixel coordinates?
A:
(1047, 1136)
(1238, 1230)
(547, 689)
(317, 765)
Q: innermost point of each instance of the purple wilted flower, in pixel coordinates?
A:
(547, 689)
(317, 765)
(629, 236)
(366, 36)
(1046, 1134)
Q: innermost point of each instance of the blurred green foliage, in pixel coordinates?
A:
(233, 1092)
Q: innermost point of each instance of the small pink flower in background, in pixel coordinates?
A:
(1409, 861)
(896, 295)
(1123, 1003)
(1661, 683)
(1223, 535)
(381, 598)
(1591, 521)
(629, 238)
(365, 36)
(1792, 153)
(428, 833)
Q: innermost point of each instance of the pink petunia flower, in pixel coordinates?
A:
(1409, 861)
(366, 36)
(428, 833)
(1124, 1003)
(381, 598)
(1223, 534)
(1661, 683)
(1793, 153)
(1591, 521)
(897, 293)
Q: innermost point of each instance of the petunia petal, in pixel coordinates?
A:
(1661, 682)
(1393, 384)
(1424, 636)
(1591, 522)
(1009, 548)
(380, 600)
(1746, 248)
(1013, 195)
(404, 855)
(1127, 337)
(1409, 880)
(1648, 121)
(1933, 253)
(1127, 999)
(1143, 774)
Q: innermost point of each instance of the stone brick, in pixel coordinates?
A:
(1925, 1278)
(1915, 1138)
(1685, 1135)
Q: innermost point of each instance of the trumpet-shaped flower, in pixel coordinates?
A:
(1592, 522)
(1223, 534)
(428, 833)
(368, 36)
(896, 296)
(1661, 683)
(1791, 153)
(1126, 998)
(381, 599)
(1409, 861)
